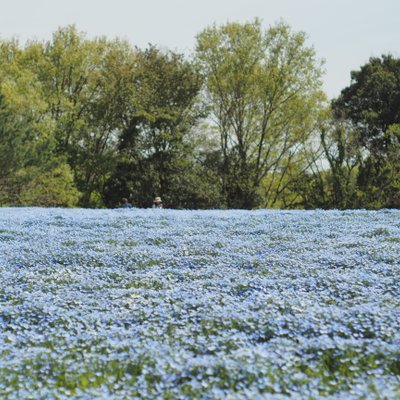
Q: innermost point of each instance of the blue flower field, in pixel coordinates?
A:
(167, 304)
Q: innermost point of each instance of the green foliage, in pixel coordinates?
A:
(243, 125)
(371, 104)
(155, 145)
(343, 154)
(372, 100)
(264, 92)
(30, 173)
(87, 87)
(52, 187)
(379, 177)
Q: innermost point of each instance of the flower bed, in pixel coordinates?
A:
(164, 304)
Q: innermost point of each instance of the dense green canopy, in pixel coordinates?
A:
(243, 123)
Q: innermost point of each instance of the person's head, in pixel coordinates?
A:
(157, 200)
(124, 200)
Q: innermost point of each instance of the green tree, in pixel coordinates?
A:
(379, 175)
(264, 94)
(14, 134)
(372, 100)
(87, 86)
(30, 172)
(27, 141)
(372, 105)
(156, 148)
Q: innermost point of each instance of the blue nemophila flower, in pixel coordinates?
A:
(199, 304)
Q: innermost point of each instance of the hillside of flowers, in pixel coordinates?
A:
(167, 304)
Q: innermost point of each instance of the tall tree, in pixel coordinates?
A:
(372, 100)
(156, 142)
(372, 105)
(264, 93)
(32, 173)
(87, 85)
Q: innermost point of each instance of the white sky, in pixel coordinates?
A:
(343, 32)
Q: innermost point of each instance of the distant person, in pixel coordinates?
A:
(125, 203)
(157, 202)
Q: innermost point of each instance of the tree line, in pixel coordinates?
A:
(241, 123)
